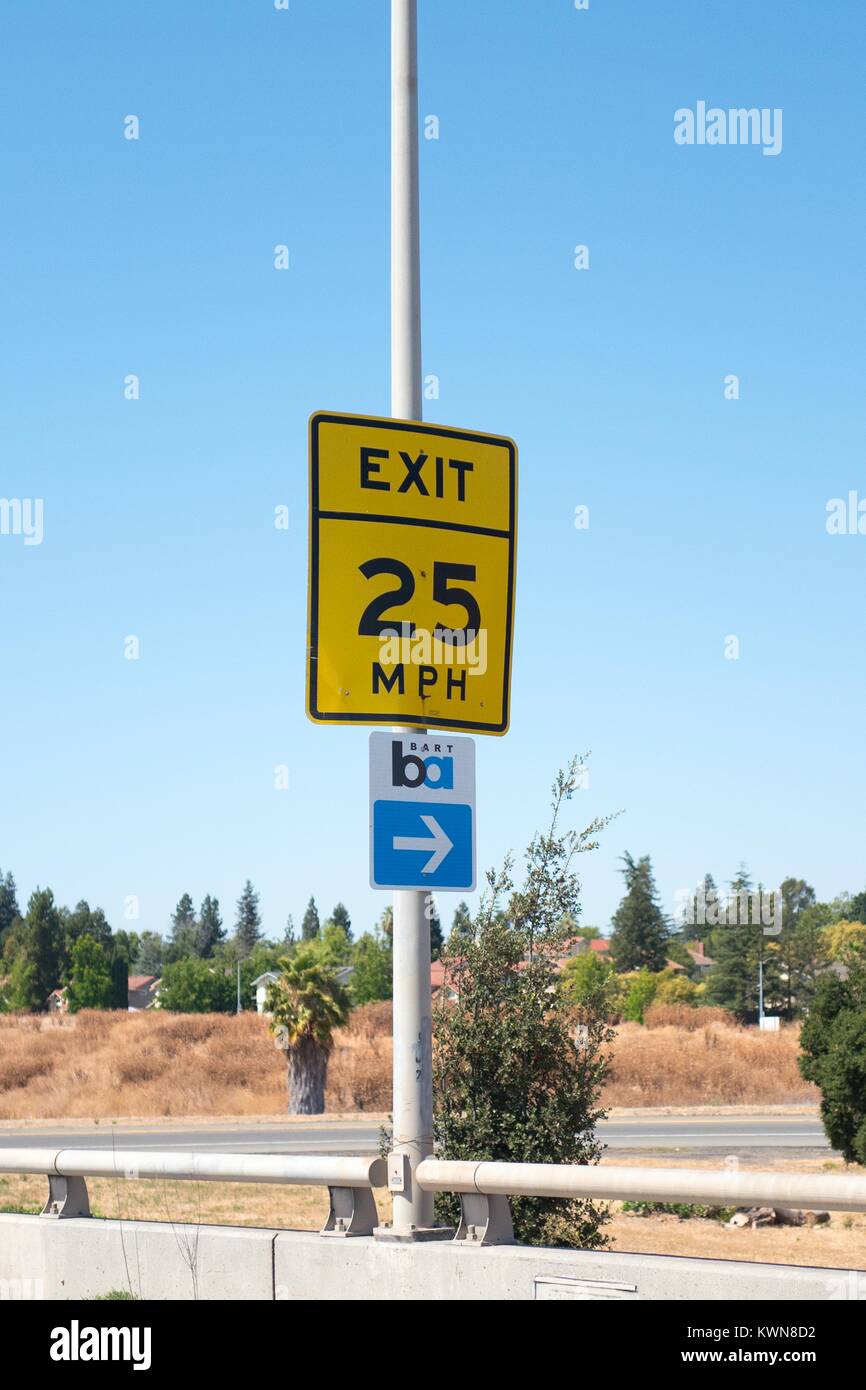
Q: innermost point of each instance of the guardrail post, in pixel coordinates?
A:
(66, 1197)
(484, 1220)
(352, 1212)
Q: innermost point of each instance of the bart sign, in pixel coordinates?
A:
(411, 580)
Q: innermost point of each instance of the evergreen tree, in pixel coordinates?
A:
(386, 922)
(461, 925)
(437, 940)
(9, 910)
(736, 946)
(210, 924)
(39, 950)
(855, 909)
(341, 918)
(289, 933)
(640, 931)
(701, 914)
(248, 925)
(310, 924)
(90, 983)
(185, 934)
(151, 954)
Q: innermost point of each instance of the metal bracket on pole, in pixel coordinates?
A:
(484, 1220)
(352, 1212)
(66, 1197)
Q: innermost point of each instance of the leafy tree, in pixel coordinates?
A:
(797, 897)
(38, 945)
(248, 925)
(372, 978)
(639, 994)
(306, 1004)
(310, 923)
(437, 940)
(334, 945)
(838, 936)
(194, 986)
(736, 947)
(640, 931)
(90, 983)
(833, 1042)
(588, 981)
(586, 933)
(74, 925)
(676, 988)
(809, 953)
(511, 1081)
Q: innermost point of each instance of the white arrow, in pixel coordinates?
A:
(440, 844)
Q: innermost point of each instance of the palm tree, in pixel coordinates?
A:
(306, 1004)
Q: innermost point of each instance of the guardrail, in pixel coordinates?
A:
(483, 1187)
(350, 1181)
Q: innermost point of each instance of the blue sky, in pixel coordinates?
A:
(707, 516)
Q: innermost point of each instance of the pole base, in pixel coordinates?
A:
(413, 1233)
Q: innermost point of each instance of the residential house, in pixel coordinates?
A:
(142, 992)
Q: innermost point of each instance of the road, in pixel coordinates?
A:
(673, 1136)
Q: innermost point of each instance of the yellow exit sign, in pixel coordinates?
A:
(411, 574)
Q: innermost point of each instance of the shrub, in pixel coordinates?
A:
(640, 992)
(833, 1040)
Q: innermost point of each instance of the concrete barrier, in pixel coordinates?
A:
(82, 1257)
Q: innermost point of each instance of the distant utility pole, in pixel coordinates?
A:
(413, 1031)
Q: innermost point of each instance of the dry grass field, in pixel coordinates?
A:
(97, 1065)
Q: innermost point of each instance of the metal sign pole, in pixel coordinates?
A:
(413, 1048)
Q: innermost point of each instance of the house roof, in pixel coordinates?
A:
(136, 982)
(269, 975)
(698, 956)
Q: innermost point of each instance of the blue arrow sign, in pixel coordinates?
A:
(422, 844)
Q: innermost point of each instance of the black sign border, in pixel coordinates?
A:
(321, 417)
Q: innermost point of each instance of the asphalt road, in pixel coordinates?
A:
(670, 1135)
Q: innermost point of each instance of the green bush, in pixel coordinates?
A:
(833, 1042)
(640, 993)
(684, 1210)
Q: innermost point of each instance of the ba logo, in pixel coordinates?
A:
(408, 770)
